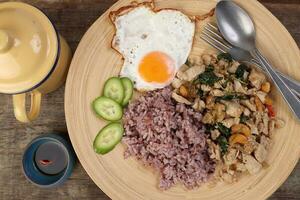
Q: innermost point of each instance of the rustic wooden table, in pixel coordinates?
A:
(72, 19)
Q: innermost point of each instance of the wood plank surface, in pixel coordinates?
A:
(72, 18)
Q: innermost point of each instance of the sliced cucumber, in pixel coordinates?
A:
(108, 109)
(128, 90)
(108, 138)
(114, 89)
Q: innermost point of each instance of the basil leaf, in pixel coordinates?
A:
(240, 71)
(225, 56)
(209, 127)
(209, 68)
(223, 143)
(200, 93)
(224, 130)
(244, 119)
(208, 78)
(229, 97)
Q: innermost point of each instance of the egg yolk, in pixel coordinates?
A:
(157, 67)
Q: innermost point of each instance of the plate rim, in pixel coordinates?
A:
(107, 191)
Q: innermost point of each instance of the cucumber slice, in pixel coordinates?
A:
(108, 138)
(128, 90)
(114, 89)
(108, 109)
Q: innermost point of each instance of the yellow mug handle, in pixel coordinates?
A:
(19, 101)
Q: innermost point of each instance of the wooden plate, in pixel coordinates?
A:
(95, 61)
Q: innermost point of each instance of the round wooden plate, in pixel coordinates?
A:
(95, 61)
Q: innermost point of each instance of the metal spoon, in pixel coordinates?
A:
(237, 28)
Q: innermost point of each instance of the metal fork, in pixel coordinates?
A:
(212, 36)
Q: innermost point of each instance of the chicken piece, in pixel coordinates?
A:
(233, 109)
(192, 89)
(205, 88)
(259, 105)
(262, 96)
(262, 121)
(206, 58)
(176, 83)
(220, 74)
(252, 91)
(257, 117)
(249, 105)
(191, 73)
(240, 167)
(214, 57)
(251, 164)
(214, 150)
(180, 99)
(257, 78)
(215, 134)
(208, 118)
(195, 60)
(248, 148)
(199, 105)
(231, 156)
(229, 87)
(218, 85)
(223, 64)
(246, 112)
(251, 145)
(245, 75)
(265, 141)
(180, 74)
(252, 139)
(252, 126)
(265, 120)
(183, 91)
(219, 112)
(232, 68)
(229, 122)
(210, 102)
(260, 127)
(238, 87)
(260, 153)
(217, 93)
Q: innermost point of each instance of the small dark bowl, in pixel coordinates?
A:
(34, 175)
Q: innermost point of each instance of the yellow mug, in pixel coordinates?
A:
(34, 58)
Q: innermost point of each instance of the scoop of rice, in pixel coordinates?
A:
(170, 137)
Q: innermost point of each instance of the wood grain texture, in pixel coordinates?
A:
(72, 18)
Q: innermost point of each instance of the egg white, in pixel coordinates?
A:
(142, 31)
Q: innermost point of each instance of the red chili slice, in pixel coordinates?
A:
(271, 111)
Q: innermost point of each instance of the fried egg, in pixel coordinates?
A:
(154, 45)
